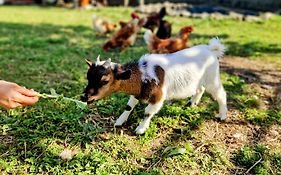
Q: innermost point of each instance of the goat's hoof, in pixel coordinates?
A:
(117, 126)
(118, 123)
(221, 117)
(140, 130)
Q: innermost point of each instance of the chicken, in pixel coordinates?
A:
(153, 20)
(102, 26)
(170, 45)
(164, 30)
(134, 15)
(124, 37)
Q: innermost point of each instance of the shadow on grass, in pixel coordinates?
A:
(207, 37)
(255, 76)
(251, 49)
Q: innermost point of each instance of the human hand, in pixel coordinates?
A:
(13, 95)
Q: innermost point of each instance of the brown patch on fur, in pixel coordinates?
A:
(170, 45)
(149, 91)
(131, 86)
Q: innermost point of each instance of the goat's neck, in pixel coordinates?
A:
(130, 87)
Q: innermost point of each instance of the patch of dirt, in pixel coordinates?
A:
(264, 77)
(235, 132)
(6, 140)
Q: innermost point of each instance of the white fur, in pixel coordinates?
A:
(187, 73)
(124, 116)
(216, 47)
(196, 98)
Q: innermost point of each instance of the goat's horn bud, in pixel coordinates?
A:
(98, 59)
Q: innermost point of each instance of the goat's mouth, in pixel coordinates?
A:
(87, 99)
(91, 99)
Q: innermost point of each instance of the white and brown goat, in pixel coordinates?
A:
(159, 77)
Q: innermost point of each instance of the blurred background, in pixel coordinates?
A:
(262, 5)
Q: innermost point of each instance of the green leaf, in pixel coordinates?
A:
(53, 92)
(173, 151)
(54, 95)
(80, 104)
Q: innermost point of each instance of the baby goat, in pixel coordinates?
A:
(159, 77)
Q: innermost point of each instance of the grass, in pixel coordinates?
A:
(44, 48)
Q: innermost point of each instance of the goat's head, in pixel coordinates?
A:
(103, 78)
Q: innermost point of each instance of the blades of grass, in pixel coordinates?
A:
(173, 151)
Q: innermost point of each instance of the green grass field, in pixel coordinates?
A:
(44, 48)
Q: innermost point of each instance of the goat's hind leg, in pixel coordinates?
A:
(129, 108)
(197, 97)
(219, 94)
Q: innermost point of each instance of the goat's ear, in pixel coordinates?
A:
(90, 63)
(123, 75)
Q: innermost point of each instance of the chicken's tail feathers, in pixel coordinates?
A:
(148, 35)
(216, 47)
(162, 12)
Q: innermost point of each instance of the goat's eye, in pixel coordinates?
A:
(104, 82)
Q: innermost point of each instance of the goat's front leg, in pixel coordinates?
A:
(130, 106)
(150, 110)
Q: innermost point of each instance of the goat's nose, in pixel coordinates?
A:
(84, 98)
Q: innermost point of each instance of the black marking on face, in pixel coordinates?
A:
(95, 79)
(128, 108)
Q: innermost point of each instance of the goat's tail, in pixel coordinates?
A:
(216, 47)
(148, 36)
